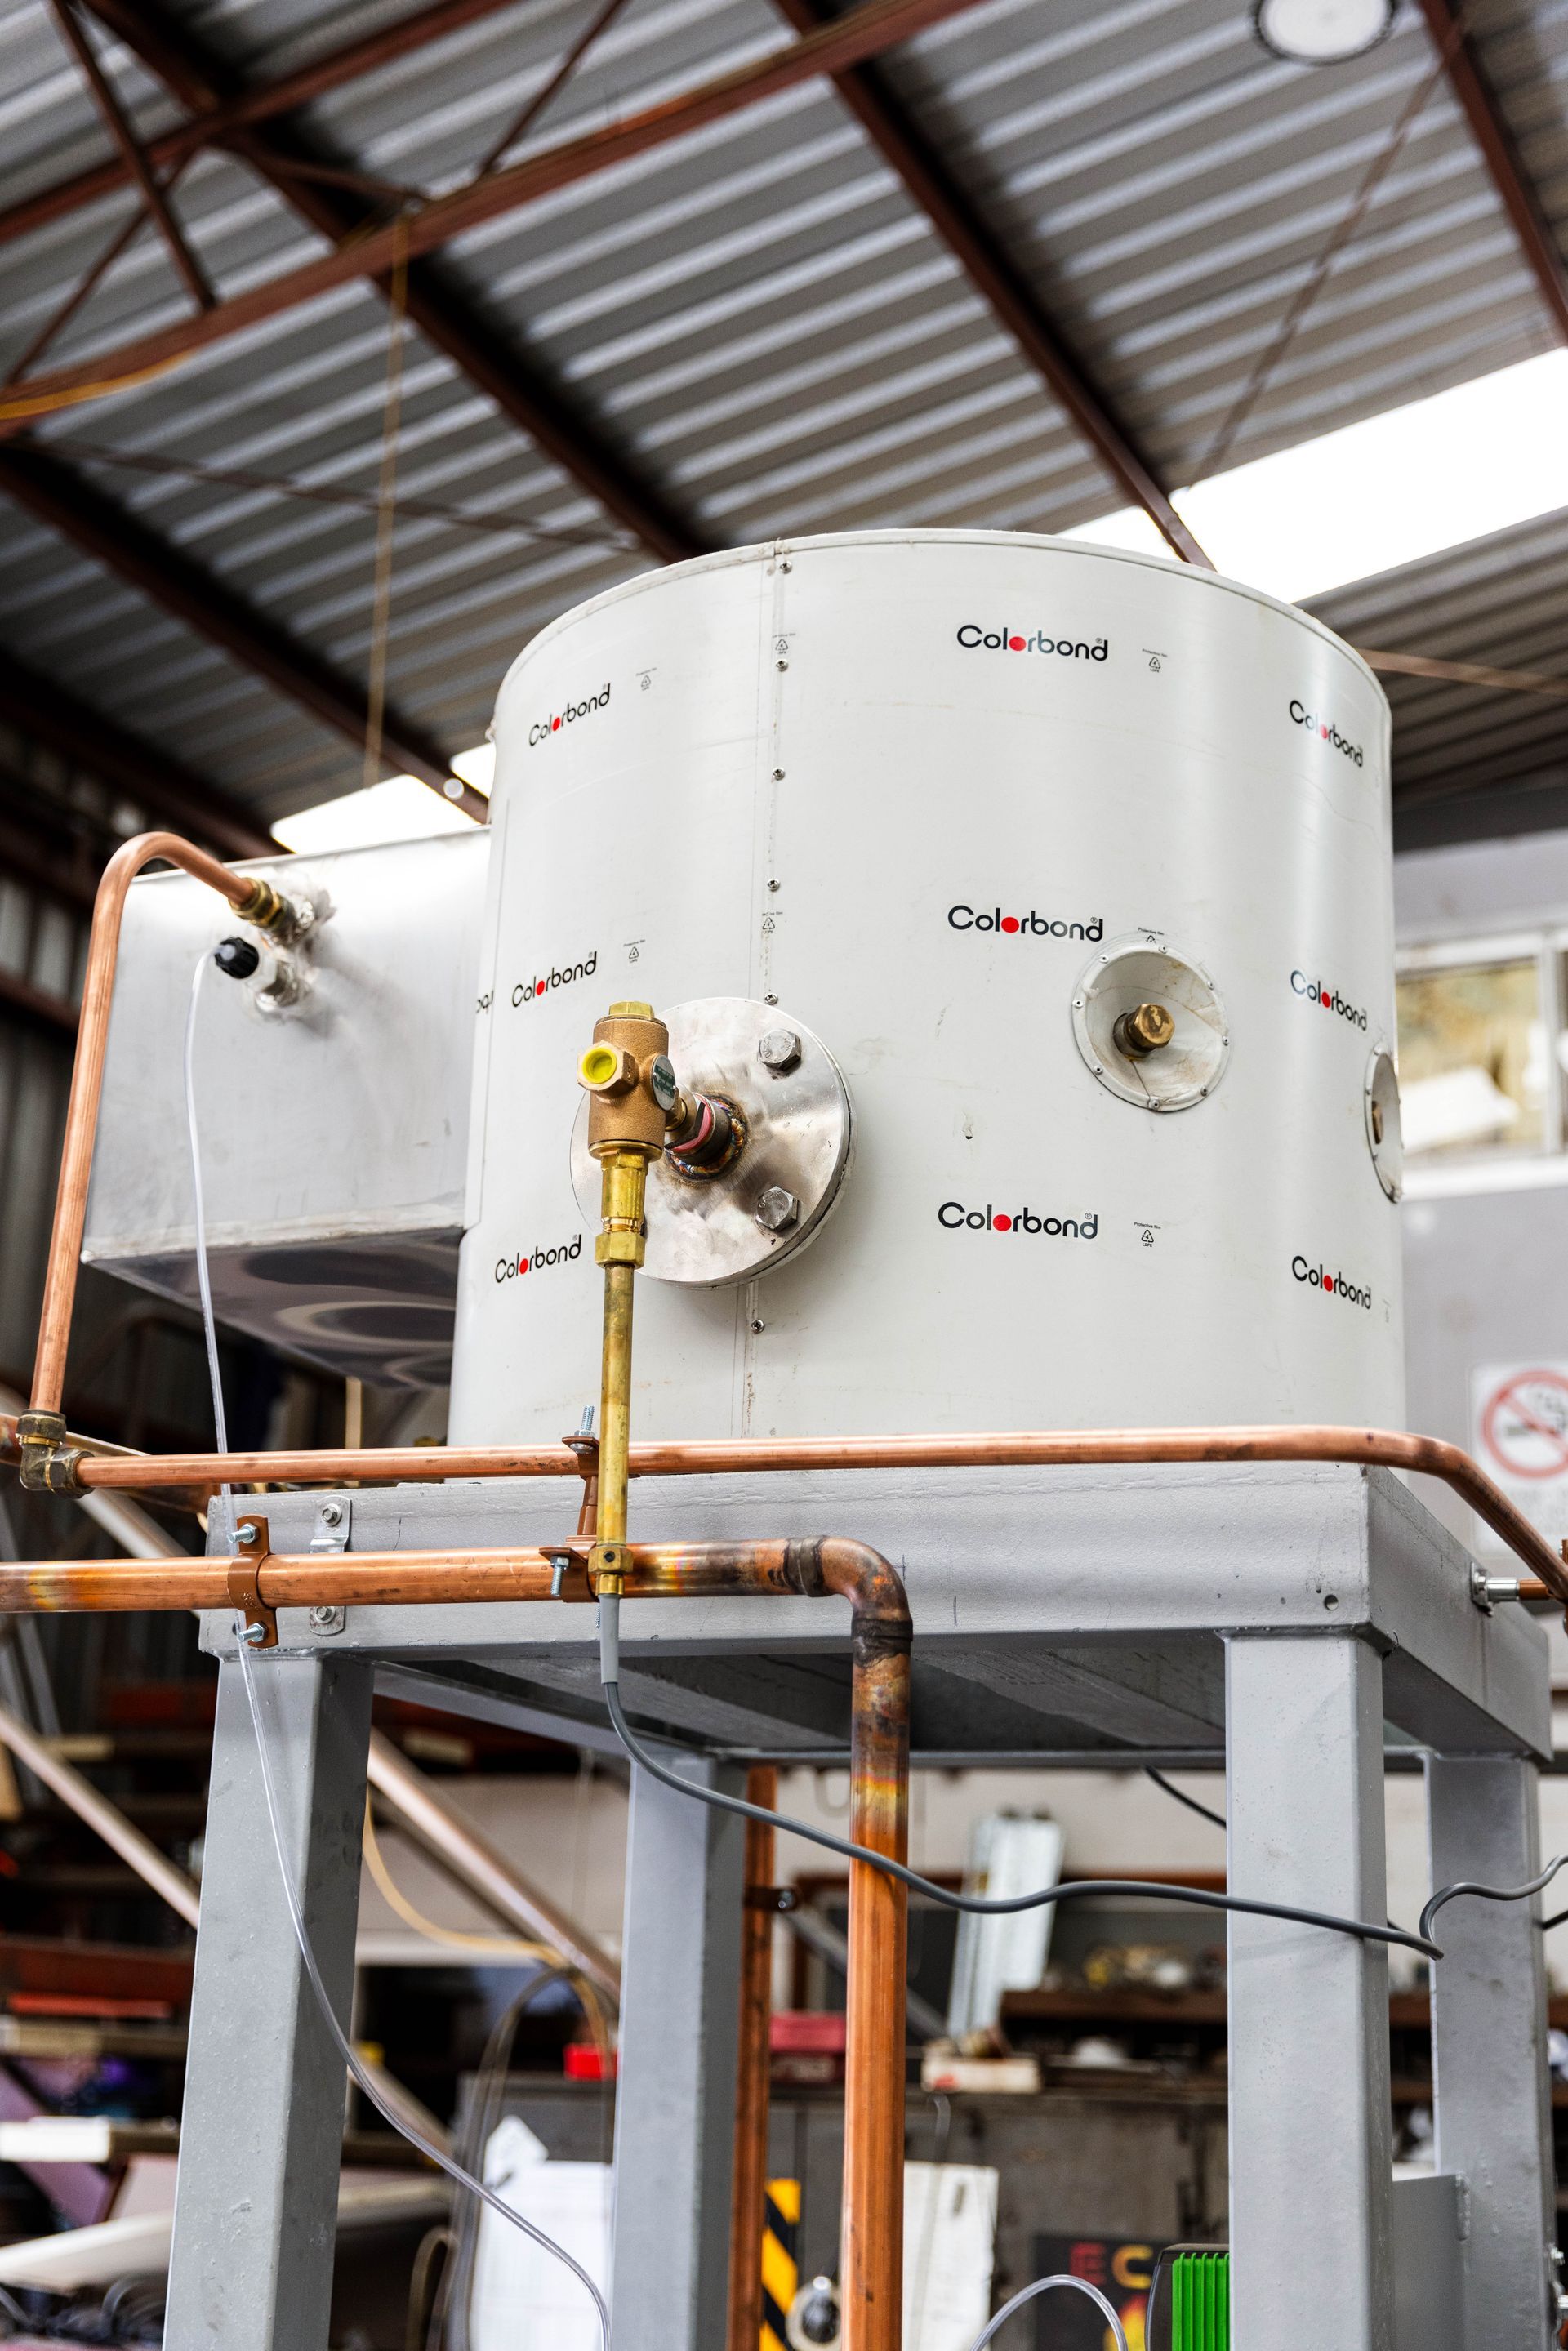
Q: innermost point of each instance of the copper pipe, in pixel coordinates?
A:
(753, 2068)
(1384, 1449)
(871, 2255)
(289, 1580)
(872, 2238)
(87, 1082)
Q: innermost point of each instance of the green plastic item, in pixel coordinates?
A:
(1200, 2302)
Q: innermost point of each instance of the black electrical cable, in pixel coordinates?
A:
(1495, 1893)
(1191, 1802)
(1361, 1929)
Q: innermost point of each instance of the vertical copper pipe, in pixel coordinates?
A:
(87, 1082)
(752, 2072)
(871, 2258)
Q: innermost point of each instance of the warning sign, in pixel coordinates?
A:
(1518, 1434)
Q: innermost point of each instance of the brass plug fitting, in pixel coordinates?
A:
(1144, 1029)
(47, 1463)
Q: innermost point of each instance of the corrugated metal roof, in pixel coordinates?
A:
(758, 315)
(1500, 601)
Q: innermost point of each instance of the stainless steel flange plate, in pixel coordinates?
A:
(800, 1136)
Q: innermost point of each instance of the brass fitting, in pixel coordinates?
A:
(1144, 1029)
(48, 1463)
(267, 909)
(630, 1085)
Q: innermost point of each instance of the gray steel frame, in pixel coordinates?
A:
(1281, 1615)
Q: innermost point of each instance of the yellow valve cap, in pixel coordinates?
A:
(600, 1066)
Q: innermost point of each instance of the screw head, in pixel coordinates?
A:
(778, 1050)
(331, 1514)
(776, 1210)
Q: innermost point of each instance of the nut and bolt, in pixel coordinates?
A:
(778, 1050)
(246, 1533)
(326, 1620)
(253, 1636)
(776, 1210)
(331, 1514)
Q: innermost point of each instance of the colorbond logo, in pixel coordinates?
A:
(1312, 991)
(1030, 925)
(1006, 640)
(538, 1260)
(1331, 1285)
(953, 1216)
(1327, 732)
(567, 715)
(527, 990)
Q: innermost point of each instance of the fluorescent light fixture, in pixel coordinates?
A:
(1366, 499)
(1323, 32)
(477, 767)
(402, 808)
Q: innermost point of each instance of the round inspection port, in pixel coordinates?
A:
(1150, 1024)
(1385, 1135)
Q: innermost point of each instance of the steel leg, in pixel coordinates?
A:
(680, 2016)
(261, 2136)
(1488, 2045)
(1311, 2153)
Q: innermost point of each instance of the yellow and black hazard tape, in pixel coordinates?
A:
(780, 2260)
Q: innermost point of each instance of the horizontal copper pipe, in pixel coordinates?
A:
(1384, 1448)
(87, 1082)
(362, 1579)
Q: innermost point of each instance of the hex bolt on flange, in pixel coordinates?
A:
(778, 1050)
(776, 1210)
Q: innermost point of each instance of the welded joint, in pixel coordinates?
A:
(48, 1463)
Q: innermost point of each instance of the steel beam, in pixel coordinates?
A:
(863, 32)
(442, 315)
(675, 2104)
(996, 277)
(208, 125)
(261, 2132)
(1478, 102)
(1309, 2123)
(1491, 2075)
(38, 480)
(58, 720)
(131, 155)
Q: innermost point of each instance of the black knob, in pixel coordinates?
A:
(237, 958)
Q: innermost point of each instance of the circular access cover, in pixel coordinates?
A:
(1143, 974)
(773, 1197)
(1384, 1136)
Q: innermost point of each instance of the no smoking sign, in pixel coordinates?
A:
(1519, 1424)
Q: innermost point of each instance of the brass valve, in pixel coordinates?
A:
(629, 1083)
(1143, 1030)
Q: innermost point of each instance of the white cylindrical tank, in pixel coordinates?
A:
(955, 804)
